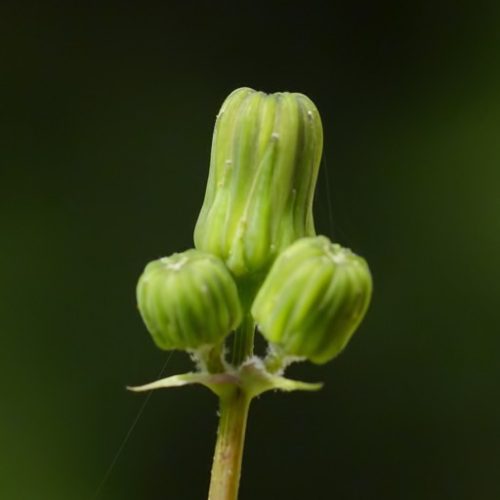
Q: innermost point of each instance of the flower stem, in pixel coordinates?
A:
(243, 340)
(226, 468)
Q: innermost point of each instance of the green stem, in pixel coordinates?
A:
(243, 340)
(213, 359)
(226, 468)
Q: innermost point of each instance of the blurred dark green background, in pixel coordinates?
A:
(106, 120)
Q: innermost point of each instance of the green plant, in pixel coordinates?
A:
(258, 265)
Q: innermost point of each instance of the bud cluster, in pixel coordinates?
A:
(256, 223)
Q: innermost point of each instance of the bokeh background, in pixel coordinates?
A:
(106, 119)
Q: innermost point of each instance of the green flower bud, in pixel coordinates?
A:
(265, 157)
(313, 299)
(188, 300)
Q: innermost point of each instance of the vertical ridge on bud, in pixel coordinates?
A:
(266, 151)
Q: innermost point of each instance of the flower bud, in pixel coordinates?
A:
(265, 157)
(188, 300)
(313, 299)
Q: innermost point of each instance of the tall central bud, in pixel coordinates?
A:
(264, 164)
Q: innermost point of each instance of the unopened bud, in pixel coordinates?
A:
(313, 299)
(266, 152)
(188, 300)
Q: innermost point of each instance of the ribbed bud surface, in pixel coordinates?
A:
(313, 299)
(265, 157)
(188, 300)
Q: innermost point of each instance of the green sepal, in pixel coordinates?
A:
(252, 377)
(217, 383)
(257, 380)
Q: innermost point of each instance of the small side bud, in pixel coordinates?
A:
(313, 299)
(266, 151)
(188, 300)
